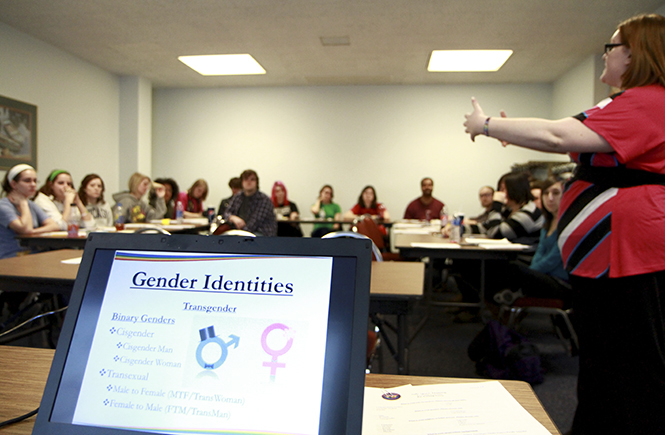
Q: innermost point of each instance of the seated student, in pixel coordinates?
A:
(536, 192)
(60, 201)
(236, 186)
(285, 211)
(134, 207)
(91, 193)
(367, 204)
(325, 208)
(171, 192)
(425, 207)
(252, 210)
(18, 214)
(192, 200)
(486, 196)
(521, 220)
(545, 277)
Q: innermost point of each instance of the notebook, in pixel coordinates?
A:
(198, 335)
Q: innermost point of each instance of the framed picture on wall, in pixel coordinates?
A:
(18, 133)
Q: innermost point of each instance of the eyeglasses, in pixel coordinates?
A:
(610, 47)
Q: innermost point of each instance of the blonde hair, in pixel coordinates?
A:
(135, 180)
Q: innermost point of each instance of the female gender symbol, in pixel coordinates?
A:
(273, 364)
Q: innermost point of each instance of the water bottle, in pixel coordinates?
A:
(456, 229)
(119, 215)
(444, 218)
(179, 211)
(72, 224)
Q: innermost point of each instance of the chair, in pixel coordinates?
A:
(350, 234)
(152, 230)
(551, 307)
(373, 343)
(220, 227)
(235, 232)
(373, 337)
(366, 226)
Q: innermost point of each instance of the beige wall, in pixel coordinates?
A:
(347, 136)
(77, 106)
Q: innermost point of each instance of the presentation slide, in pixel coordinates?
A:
(201, 343)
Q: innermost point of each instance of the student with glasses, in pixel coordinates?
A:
(611, 237)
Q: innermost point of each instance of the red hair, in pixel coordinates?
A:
(274, 198)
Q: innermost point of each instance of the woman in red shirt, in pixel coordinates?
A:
(611, 237)
(192, 200)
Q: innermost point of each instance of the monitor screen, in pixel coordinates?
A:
(187, 341)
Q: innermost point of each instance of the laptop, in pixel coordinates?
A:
(195, 334)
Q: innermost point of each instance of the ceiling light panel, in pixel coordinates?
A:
(223, 64)
(467, 60)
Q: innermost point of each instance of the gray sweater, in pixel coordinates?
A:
(138, 210)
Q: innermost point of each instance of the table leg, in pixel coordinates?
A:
(402, 368)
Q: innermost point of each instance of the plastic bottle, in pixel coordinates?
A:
(444, 218)
(119, 215)
(456, 229)
(179, 211)
(72, 224)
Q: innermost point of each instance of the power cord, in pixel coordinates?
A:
(48, 313)
(17, 419)
(31, 413)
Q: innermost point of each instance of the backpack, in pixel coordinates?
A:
(501, 353)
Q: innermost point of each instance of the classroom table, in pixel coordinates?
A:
(60, 239)
(23, 373)
(316, 220)
(394, 286)
(416, 246)
(40, 273)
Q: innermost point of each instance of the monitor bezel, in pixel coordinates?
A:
(344, 369)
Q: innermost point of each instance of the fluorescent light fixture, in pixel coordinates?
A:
(223, 64)
(467, 60)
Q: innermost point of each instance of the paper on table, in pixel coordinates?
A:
(55, 234)
(76, 260)
(485, 241)
(421, 230)
(476, 407)
(502, 247)
(435, 245)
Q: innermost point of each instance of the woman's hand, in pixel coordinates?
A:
(70, 196)
(17, 199)
(475, 121)
(22, 225)
(160, 190)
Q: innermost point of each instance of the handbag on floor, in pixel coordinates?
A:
(501, 353)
